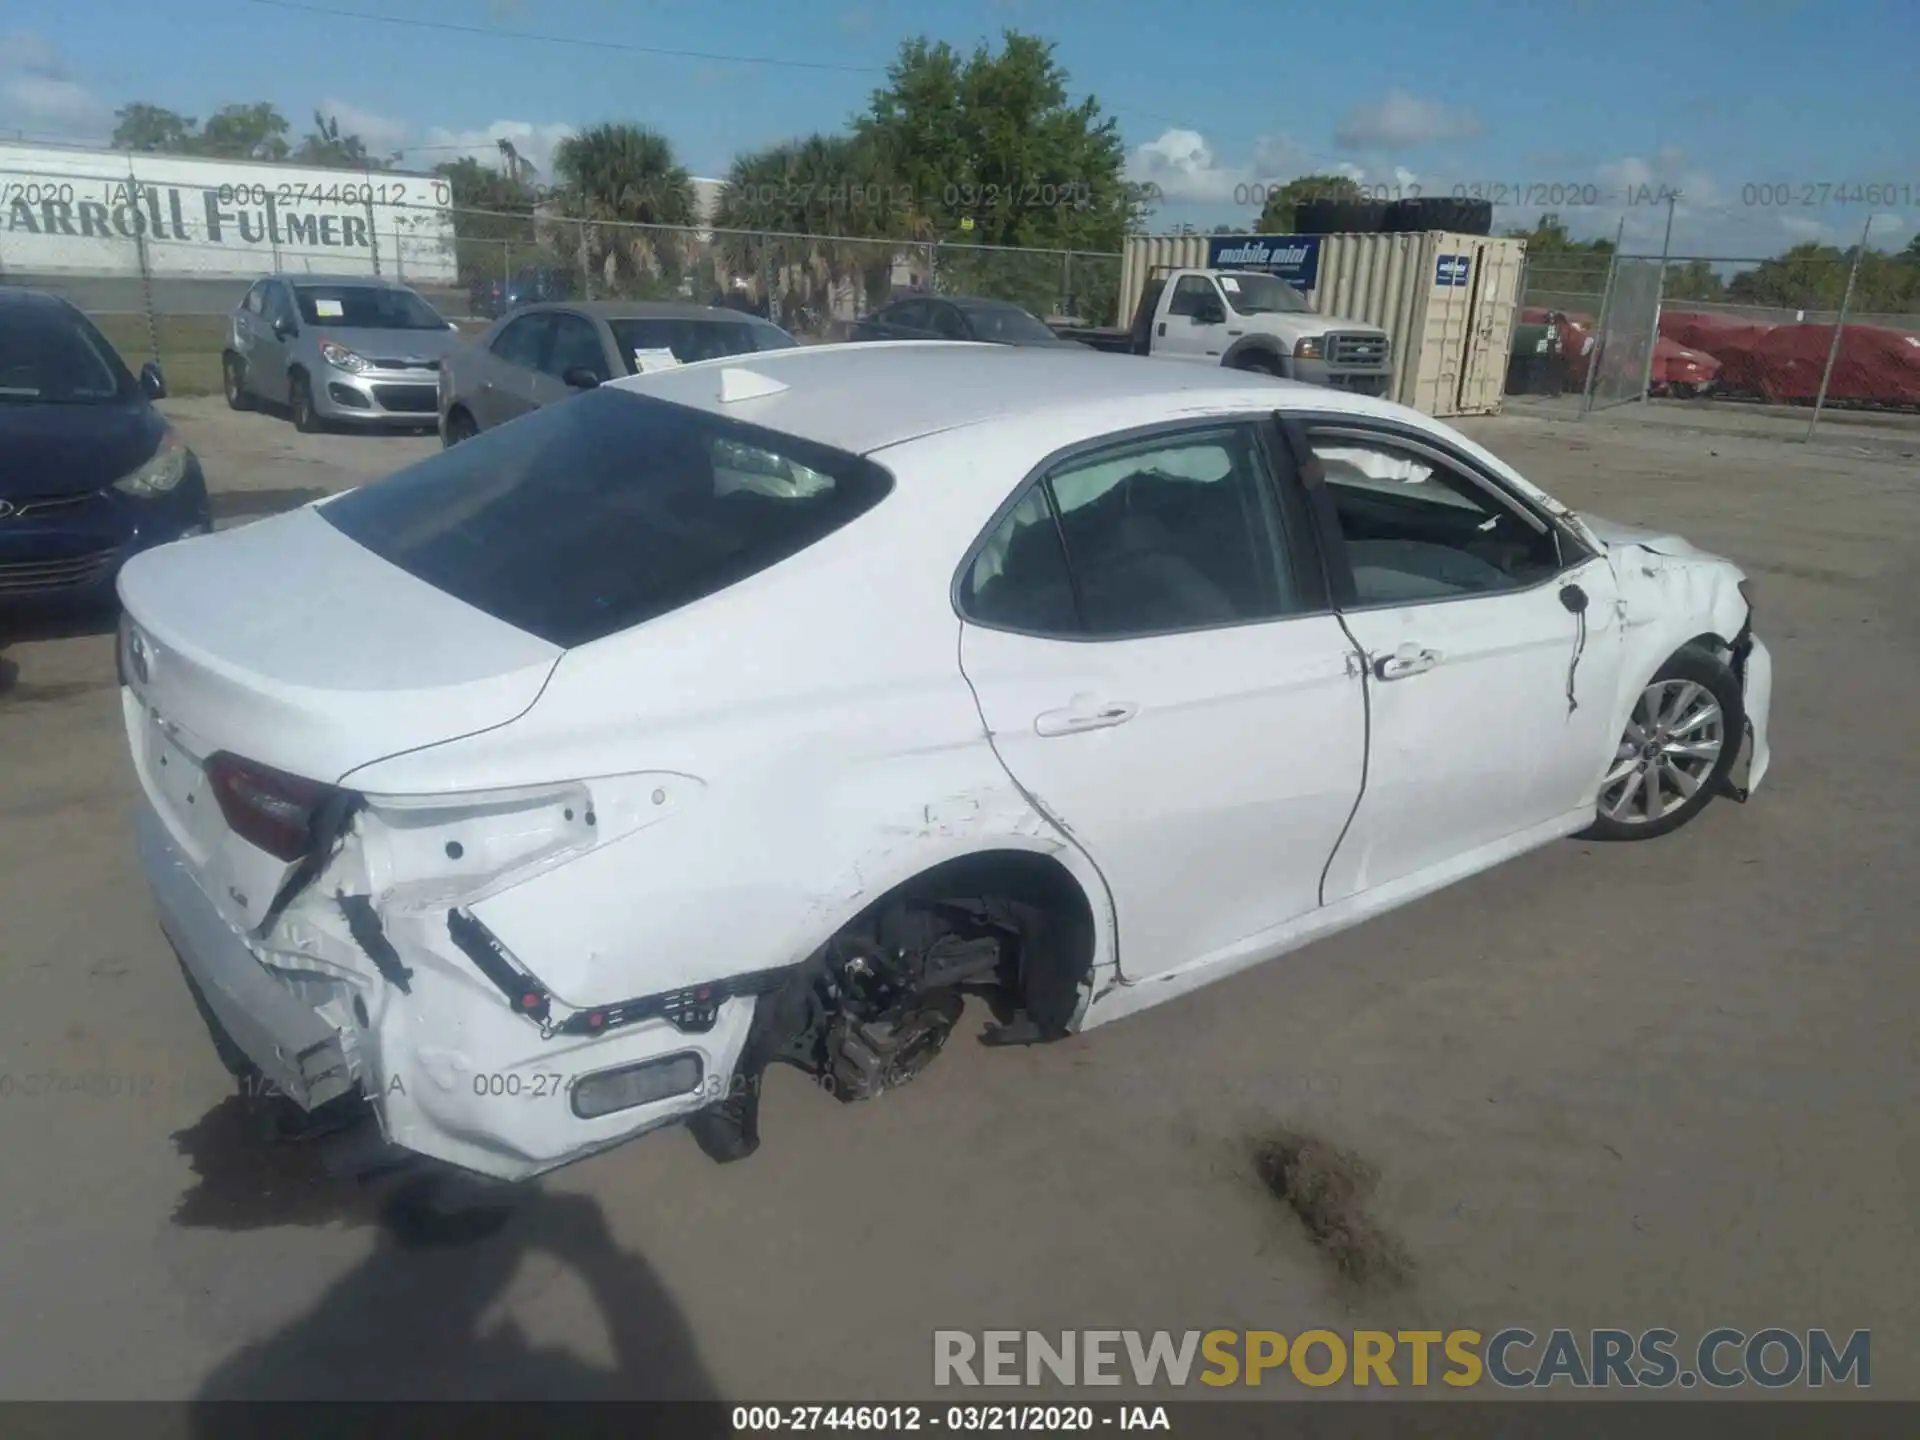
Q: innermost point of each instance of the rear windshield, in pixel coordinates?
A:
(692, 340)
(580, 520)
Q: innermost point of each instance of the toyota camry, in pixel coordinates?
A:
(763, 709)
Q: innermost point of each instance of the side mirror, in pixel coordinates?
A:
(285, 329)
(153, 384)
(581, 378)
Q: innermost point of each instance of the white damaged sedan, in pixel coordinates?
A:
(548, 791)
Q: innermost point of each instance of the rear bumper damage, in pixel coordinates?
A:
(453, 1067)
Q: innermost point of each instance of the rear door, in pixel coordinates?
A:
(947, 323)
(504, 388)
(904, 321)
(1155, 660)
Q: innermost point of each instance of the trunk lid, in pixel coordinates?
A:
(292, 646)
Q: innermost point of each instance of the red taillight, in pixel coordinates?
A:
(265, 807)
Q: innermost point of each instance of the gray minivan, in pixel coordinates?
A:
(355, 350)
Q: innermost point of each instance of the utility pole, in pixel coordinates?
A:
(1660, 290)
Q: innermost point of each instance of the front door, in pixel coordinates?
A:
(505, 386)
(1157, 667)
(575, 347)
(1196, 324)
(272, 331)
(1493, 650)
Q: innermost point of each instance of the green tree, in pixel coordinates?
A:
(493, 225)
(810, 220)
(153, 129)
(244, 132)
(1564, 273)
(1692, 280)
(618, 176)
(1814, 277)
(326, 145)
(1278, 214)
(991, 149)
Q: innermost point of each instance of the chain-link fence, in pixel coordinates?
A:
(1815, 329)
(159, 261)
(1623, 339)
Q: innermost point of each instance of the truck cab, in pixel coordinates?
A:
(1250, 320)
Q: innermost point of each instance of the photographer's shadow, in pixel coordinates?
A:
(411, 1321)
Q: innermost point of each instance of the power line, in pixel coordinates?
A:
(593, 44)
(491, 33)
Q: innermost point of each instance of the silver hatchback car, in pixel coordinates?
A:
(337, 351)
(542, 353)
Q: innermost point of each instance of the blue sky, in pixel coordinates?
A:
(1708, 96)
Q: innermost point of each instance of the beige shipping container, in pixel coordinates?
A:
(1446, 301)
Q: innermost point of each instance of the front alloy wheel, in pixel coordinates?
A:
(1681, 739)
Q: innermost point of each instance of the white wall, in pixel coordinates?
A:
(80, 212)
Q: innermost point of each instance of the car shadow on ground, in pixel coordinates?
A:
(253, 504)
(420, 1317)
(26, 625)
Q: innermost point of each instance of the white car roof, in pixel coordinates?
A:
(867, 396)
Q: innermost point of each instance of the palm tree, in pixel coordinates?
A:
(616, 177)
(810, 220)
(519, 169)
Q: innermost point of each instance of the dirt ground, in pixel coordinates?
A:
(1670, 1084)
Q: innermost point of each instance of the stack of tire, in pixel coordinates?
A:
(1398, 217)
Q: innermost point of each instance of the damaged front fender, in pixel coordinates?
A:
(1672, 594)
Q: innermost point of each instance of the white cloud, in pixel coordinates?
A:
(437, 144)
(1400, 121)
(1184, 167)
(381, 135)
(1802, 228)
(1187, 169)
(40, 97)
(534, 143)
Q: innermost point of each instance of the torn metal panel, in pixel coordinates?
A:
(747, 880)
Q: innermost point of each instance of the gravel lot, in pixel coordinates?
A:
(1671, 1084)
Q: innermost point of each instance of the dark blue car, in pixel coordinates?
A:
(90, 472)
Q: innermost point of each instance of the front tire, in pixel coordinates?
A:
(460, 428)
(300, 400)
(234, 377)
(1682, 736)
(1260, 365)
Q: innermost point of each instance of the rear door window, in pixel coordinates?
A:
(690, 340)
(523, 342)
(584, 519)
